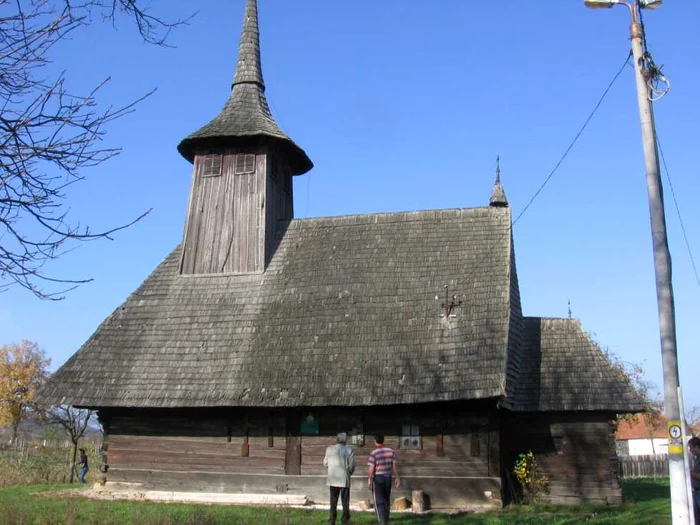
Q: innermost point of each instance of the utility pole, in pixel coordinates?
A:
(680, 509)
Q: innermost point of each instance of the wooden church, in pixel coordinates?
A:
(261, 336)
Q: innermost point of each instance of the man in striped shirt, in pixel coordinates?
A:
(382, 463)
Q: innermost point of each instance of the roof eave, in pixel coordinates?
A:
(300, 163)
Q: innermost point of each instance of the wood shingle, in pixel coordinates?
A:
(347, 313)
(562, 369)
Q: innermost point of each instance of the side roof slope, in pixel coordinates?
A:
(561, 369)
(347, 313)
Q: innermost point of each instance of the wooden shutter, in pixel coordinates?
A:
(244, 164)
(211, 165)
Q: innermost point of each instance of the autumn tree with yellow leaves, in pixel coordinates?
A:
(23, 369)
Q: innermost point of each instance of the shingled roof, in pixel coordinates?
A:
(559, 368)
(349, 312)
(246, 113)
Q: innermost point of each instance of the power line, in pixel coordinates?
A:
(575, 140)
(678, 210)
(556, 167)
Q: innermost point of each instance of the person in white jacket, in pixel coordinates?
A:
(340, 461)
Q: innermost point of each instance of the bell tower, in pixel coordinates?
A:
(242, 177)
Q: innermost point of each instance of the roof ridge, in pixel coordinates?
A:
(552, 318)
(383, 215)
(562, 324)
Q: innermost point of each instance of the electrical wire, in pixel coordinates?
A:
(652, 72)
(578, 135)
(678, 210)
(556, 167)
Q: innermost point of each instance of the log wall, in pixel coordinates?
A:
(261, 452)
(576, 452)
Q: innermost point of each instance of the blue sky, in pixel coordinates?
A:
(404, 105)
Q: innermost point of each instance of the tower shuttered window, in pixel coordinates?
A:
(244, 164)
(211, 165)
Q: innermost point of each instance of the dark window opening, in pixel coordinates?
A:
(558, 444)
(309, 425)
(475, 445)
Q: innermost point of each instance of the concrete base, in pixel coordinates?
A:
(271, 500)
(233, 499)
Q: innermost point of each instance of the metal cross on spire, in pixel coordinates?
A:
(498, 195)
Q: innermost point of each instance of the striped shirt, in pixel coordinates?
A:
(382, 459)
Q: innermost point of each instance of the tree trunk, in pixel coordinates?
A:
(15, 428)
(73, 453)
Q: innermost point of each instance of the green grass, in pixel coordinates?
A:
(646, 502)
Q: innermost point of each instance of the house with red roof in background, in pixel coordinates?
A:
(642, 435)
(645, 434)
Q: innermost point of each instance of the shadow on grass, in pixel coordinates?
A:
(645, 489)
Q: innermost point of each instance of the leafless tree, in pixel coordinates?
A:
(50, 135)
(75, 422)
(692, 419)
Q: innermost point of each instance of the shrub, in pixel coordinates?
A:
(527, 473)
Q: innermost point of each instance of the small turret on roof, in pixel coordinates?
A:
(246, 113)
(498, 194)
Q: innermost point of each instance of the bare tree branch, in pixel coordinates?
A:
(49, 135)
(74, 421)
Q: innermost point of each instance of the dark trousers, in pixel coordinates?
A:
(344, 493)
(382, 497)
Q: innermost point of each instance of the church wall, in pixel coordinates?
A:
(576, 452)
(455, 460)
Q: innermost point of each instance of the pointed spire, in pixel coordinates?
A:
(246, 115)
(498, 195)
(249, 68)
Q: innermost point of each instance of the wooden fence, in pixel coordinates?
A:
(651, 466)
(22, 445)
